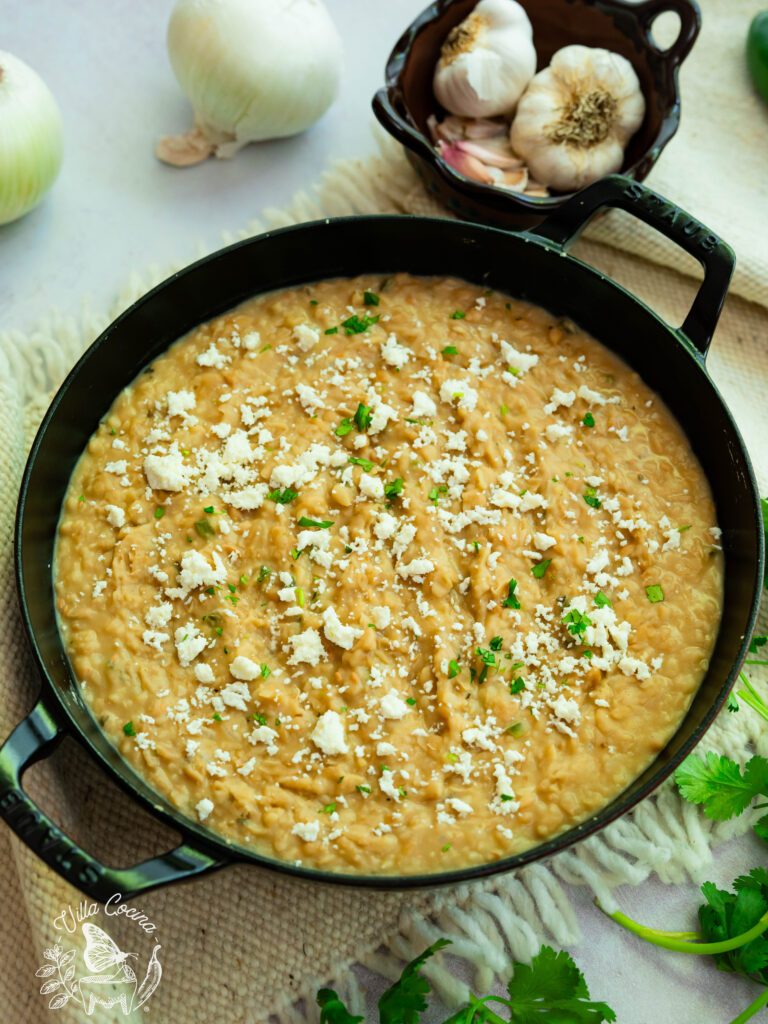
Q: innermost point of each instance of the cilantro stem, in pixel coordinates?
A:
(487, 1015)
(752, 1009)
(752, 698)
(672, 940)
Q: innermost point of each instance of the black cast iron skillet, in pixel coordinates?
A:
(533, 266)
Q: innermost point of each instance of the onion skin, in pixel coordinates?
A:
(264, 69)
(32, 140)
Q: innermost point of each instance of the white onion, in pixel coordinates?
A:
(31, 141)
(252, 69)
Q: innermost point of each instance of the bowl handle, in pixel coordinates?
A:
(390, 118)
(690, 25)
(36, 737)
(565, 225)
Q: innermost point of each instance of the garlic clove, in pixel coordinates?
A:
(184, 150)
(491, 154)
(464, 163)
(486, 61)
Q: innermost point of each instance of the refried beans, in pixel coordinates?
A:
(388, 575)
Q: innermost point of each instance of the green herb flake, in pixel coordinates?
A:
(128, 729)
(204, 529)
(371, 299)
(265, 348)
(446, 848)
(511, 600)
(449, 350)
(434, 494)
(487, 657)
(358, 325)
(503, 410)
(319, 524)
(496, 643)
(347, 549)
(457, 314)
(217, 717)
(209, 510)
(506, 797)
(410, 700)
(601, 600)
(344, 427)
(159, 512)
(517, 685)
(363, 789)
(364, 464)
(577, 622)
(363, 417)
(393, 488)
(453, 668)
(591, 498)
(540, 569)
(328, 809)
(284, 497)
(589, 420)
(655, 593)
(331, 330)
(264, 574)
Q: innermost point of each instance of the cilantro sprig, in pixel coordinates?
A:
(551, 988)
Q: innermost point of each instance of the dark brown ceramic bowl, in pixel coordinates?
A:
(617, 25)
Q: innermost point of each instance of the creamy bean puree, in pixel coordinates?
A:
(388, 576)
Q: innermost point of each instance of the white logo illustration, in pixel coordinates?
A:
(110, 980)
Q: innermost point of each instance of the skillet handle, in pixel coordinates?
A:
(690, 25)
(565, 225)
(35, 737)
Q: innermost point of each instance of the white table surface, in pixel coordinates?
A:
(115, 208)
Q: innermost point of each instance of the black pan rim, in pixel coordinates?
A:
(235, 854)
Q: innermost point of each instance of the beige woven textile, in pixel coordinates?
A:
(240, 945)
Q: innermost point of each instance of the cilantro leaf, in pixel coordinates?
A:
(717, 782)
(756, 643)
(332, 1010)
(511, 600)
(363, 417)
(552, 990)
(393, 488)
(404, 1001)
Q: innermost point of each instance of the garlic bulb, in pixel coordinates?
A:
(486, 61)
(30, 138)
(252, 69)
(576, 117)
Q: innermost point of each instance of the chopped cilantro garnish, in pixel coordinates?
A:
(476, 545)
(445, 848)
(299, 597)
(511, 601)
(209, 510)
(264, 574)
(457, 314)
(513, 370)
(577, 622)
(159, 512)
(505, 797)
(296, 553)
(331, 330)
(344, 427)
(517, 685)
(365, 464)
(357, 325)
(503, 410)
(205, 529)
(589, 420)
(128, 729)
(682, 529)
(655, 593)
(601, 600)
(591, 498)
(313, 302)
(266, 348)
(283, 497)
(587, 655)
(393, 488)
(363, 789)
(82, 498)
(243, 580)
(347, 549)
(328, 809)
(487, 657)
(231, 588)
(453, 758)
(434, 494)
(217, 717)
(517, 729)
(363, 417)
(321, 525)
(410, 700)
(496, 643)
(540, 568)
(371, 299)
(401, 791)
(449, 350)
(453, 668)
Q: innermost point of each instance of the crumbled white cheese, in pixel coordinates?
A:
(203, 673)
(307, 647)
(460, 391)
(180, 402)
(339, 634)
(381, 616)
(328, 734)
(189, 643)
(415, 568)
(308, 831)
(204, 808)
(115, 516)
(306, 337)
(212, 357)
(159, 616)
(393, 706)
(243, 668)
(166, 472)
(371, 486)
(423, 406)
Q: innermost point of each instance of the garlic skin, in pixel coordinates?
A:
(576, 117)
(252, 69)
(486, 61)
(31, 139)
